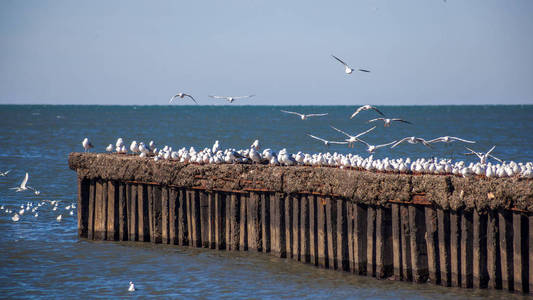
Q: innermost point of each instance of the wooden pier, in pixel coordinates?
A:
(443, 229)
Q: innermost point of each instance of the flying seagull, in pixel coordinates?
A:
(372, 148)
(353, 138)
(326, 142)
(449, 139)
(303, 116)
(230, 99)
(483, 156)
(23, 186)
(365, 107)
(388, 122)
(3, 174)
(182, 95)
(348, 69)
(412, 140)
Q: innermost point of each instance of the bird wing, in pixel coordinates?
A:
(363, 70)
(400, 120)
(338, 143)
(424, 142)
(172, 98)
(341, 131)
(365, 132)
(439, 139)
(400, 141)
(488, 152)
(361, 141)
(217, 97)
(317, 138)
(356, 112)
(335, 57)
(376, 119)
(496, 158)
(316, 115)
(23, 184)
(385, 145)
(240, 97)
(372, 107)
(187, 95)
(462, 140)
(291, 112)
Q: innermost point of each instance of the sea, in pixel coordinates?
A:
(41, 257)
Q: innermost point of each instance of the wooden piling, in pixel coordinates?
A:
(351, 236)
(418, 245)
(313, 230)
(296, 228)
(243, 228)
(331, 226)
(112, 211)
(183, 232)
(133, 212)
(235, 221)
(212, 213)
(288, 227)
(466, 249)
(142, 207)
(396, 242)
(519, 254)
(443, 224)
(455, 248)
(505, 223)
(304, 230)
(406, 244)
(123, 233)
(253, 217)
(432, 245)
(360, 239)
(479, 258)
(165, 218)
(322, 233)
(220, 220)
(493, 251)
(371, 242)
(83, 207)
(173, 204)
(92, 205)
(383, 242)
(204, 218)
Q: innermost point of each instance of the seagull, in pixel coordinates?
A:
(86, 144)
(230, 99)
(303, 116)
(255, 145)
(181, 95)
(352, 139)
(388, 122)
(372, 148)
(348, 69)
(326, 142)
(3, 174)
(109, 148)
(365, 107)
(412, 140)
(449, 139)
(131, 288)
(15, 218)
(23, 186)
(59, 218)
(483, 156)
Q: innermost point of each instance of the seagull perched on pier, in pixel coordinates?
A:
(181, 95)
(348, 69)
(86, 144)
(23, 186)
(388, 122)
(3, 174)
(326, 142)
(303, 116)
(365, 107)
(483, 156)
(412, 140)
(353, 138)
(255, 145)
(230, 99)
(449, 139)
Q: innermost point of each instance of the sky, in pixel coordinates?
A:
(420, 52)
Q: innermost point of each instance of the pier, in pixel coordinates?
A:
(470, 232)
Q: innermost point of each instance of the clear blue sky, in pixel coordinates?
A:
(142, 52)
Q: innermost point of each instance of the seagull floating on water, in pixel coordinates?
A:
(15, 218)
(131, 287)
(449, 139)
(365, 107)
(181, 95)
(326, 142)
(230, 99)
(348, 69)
(59, 218)
(388, 122)
(3, 174)
(303, 116)
(353, 138)
(86, 144)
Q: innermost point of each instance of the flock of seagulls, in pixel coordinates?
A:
(31, 209)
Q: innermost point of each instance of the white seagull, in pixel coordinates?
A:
(230, 99)
(131, 287)
(483, 156)
(372, 148)
(303, 116)
(353, 138)
(255, 145)
(86, 144)
(412, 140)
(449, 139)
(365, 107)
(326, 142)
(109, 148)
(15, 218)
(23, 186)
(388, 122)
(181, 95)
(348, 69)
(3, 174)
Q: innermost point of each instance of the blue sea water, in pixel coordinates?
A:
(43, 258)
